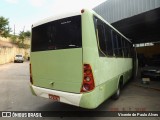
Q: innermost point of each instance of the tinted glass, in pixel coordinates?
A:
(125, 48)
(109, 40)
(104, 37)
(18, 55)
(60, 34)
(101, 36)
(111, 43)
(115, 43)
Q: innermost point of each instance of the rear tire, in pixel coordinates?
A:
(117, 94)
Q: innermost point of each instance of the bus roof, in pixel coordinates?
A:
(74, 13)
(56, 17)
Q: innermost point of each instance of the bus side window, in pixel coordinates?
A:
(125, 48)
(101, 38)
(115, 44)
(119, 45)
(129, 49)
(109, 43)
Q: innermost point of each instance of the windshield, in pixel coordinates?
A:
(60, 34)
(18, 55)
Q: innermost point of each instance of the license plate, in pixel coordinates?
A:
(54, 97)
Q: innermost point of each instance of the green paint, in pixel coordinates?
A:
(64, 68)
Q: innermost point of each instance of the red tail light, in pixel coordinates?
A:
(88, 80)
(30, 69)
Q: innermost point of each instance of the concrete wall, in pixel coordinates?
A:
(9, 50)
(7, 54)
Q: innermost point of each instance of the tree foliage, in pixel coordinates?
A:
(22, 36)
(13, 39)
(27, 34)
(4, 27)
(21, 39)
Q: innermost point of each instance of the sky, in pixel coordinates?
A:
(23, 13)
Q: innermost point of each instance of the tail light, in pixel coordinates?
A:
(30, 68)
(88, 80)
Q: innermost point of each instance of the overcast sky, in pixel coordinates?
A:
(23, 13)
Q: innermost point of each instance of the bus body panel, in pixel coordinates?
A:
(65, 97)
(109, 67)
(58, 70)
(104, 68)
(102, 92)
(93, 99)
(107, 71)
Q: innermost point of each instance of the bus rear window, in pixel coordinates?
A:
(60, 34)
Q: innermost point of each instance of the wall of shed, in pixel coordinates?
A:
(149, 51)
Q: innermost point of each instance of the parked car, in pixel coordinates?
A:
(152, 69)
(19, 58)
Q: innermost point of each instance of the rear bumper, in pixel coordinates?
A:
(65, 97)
(18, 60)
(86, 100)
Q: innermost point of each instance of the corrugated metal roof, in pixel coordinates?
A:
(115, 10)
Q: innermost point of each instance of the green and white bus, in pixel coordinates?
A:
(79, 59)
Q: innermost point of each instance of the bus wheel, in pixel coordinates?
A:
(117, 94)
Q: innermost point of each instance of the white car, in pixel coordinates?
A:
(19, 58)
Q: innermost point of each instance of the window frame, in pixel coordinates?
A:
(122, 47)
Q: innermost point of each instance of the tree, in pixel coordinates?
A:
(13, 39)
(4, 27)
(27, 34)
(21, 38)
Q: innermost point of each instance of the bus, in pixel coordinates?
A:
(79, 59)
